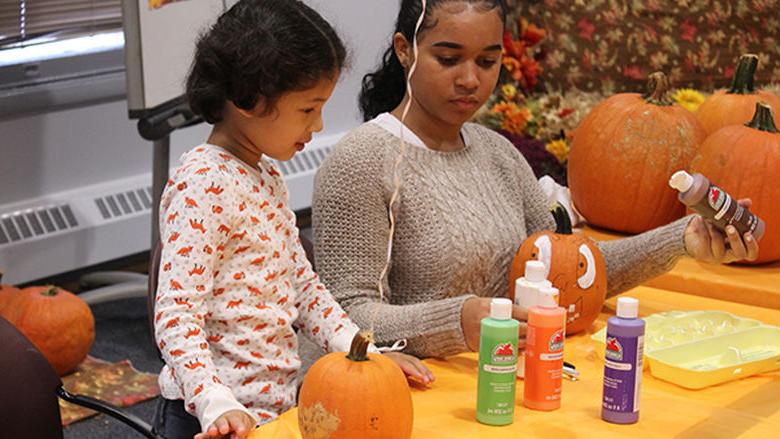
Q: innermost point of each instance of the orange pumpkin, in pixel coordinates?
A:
(575, 267)
(745, 161)
(622, 155)
(7, 295)
(355, 396)
(736, 105)
(57, 322)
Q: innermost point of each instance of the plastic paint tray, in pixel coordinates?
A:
(696, 349)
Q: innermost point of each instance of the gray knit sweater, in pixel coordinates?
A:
(461, 217)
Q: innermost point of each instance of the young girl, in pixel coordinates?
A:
(234, 281)
(468, 199)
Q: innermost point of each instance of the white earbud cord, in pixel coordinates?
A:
(397, 172)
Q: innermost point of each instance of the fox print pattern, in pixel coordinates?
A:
(233, 266)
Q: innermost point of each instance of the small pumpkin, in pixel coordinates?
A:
(355, 396)
(622, 155)
(57, 322)
(736, 105)
(575, 267)
(745, 161)
(7, 295)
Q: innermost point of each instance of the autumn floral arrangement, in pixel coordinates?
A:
(538, 122)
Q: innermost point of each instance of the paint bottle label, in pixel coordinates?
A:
(623, 373)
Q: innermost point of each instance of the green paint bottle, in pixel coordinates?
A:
(498, 338)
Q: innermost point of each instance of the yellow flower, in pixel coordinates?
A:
(690, 99)
(509, 91)
(559, 148)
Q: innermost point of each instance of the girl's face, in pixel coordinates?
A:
(297, 115)
(459, 61)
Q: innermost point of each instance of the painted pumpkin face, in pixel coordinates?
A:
(575, 267)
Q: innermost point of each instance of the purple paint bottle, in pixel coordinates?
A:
(623, 363)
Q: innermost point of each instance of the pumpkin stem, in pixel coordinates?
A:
(657, 88)
(562, 220)
(762, 119)
(51, 291)
(742, 83)
(359, 349)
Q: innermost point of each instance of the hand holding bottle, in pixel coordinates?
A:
(714, 236)
(705, 243)
(477, 308)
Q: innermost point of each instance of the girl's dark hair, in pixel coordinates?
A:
(384, 89)
(261, 48)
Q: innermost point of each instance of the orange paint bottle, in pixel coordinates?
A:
(544, 353)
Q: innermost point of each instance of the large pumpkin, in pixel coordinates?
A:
(575, 267)
(57, 322)
(745, 161)
(355, 396)
(736, 105)
(622, 155)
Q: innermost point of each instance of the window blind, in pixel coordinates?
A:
(23, 20)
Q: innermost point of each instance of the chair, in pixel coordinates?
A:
(151, 290)
(30, 388)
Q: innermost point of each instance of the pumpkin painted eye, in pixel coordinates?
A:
(544, 247)
(586, 280)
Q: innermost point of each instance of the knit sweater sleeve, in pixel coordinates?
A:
(351, 224)
(637, 259)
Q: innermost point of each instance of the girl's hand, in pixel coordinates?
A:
(234, 424)
(412, 366)
(706, 243)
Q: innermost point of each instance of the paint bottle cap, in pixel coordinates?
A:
(501, 309)
(627, 308)
(535, 271)
(681, 180)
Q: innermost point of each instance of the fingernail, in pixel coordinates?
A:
(749, 238)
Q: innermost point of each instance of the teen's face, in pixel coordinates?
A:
(459, 61)
(297, 115)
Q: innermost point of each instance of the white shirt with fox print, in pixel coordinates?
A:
(234, 283)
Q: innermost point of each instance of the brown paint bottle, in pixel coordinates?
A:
(715, 204)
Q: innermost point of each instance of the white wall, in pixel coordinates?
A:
(57, 151)
(63, 150)
(69, 150)
(366, 27)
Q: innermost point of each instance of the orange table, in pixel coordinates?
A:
(748, 408)
(752, 285)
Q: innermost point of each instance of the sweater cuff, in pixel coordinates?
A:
(441, 332)
(343, 342)
(216, 401)
(670, 243)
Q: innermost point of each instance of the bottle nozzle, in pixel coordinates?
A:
(548, 297)
(681, 180)
(627, 307)
(501, 309)
(535, 271)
